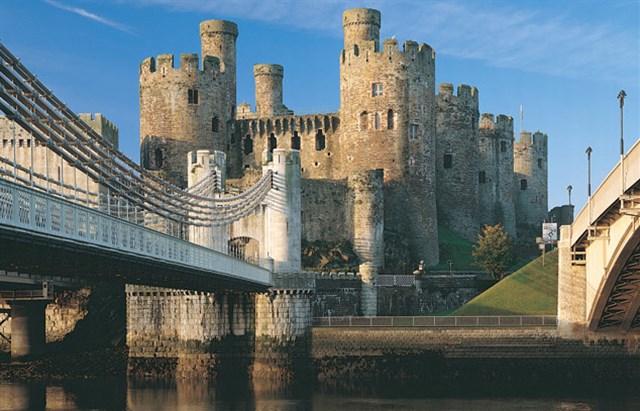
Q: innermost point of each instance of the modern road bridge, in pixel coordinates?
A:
(599, 267)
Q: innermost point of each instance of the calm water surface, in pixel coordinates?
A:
(118, 395)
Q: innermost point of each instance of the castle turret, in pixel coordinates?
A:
(218, 39)
(531, 180)
(387, 122)
(268, 79)
(495, 172)
(457, 159)
(361, 26)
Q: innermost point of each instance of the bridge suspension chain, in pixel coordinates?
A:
(27, 102)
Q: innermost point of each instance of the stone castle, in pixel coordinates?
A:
(396, 160)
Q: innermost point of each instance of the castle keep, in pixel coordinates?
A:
(395, 161)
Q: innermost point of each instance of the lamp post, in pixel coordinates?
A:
(569, 188)
(621, 96)
(588, 151)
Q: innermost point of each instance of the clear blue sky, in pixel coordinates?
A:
(564, 61)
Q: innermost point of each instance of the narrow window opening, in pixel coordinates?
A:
(192, 96)
(247, 145)
(414, 132)
(376, 121)
(539, 163)
(482, 177)
(159, 158)
(503, 146)
(356, 50)
(448, 160)
(295, 141)
(523, 184)
(376, 89)
(390, 119)
(273, 143)
(364, 120)
(215, 126)
(320, 141)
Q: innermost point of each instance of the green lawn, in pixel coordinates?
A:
(532, 290)
(454, 248)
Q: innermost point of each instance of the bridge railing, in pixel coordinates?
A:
(27, 209)
(608, 193)
(439, 321)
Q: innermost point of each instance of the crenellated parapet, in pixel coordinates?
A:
(315, 136)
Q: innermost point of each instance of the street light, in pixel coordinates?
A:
(588, 151)
(621, 96)
(569, 188)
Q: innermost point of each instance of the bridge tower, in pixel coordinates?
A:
(387, 121)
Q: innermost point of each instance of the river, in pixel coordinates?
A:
(117, 394)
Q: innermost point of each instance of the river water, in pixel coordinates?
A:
(117, 394)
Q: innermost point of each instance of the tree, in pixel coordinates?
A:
(492, 252)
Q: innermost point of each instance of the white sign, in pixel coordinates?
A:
(549, 232)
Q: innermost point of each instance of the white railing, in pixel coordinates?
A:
(27, 209)
(385, 280)
(484, 321)
(607, 193)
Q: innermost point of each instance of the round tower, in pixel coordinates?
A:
(531, 181)
(178, 109)
(268, 78)
(457, 159)
(495, 172)
(218, 39)
(361, 26)
(387, 122)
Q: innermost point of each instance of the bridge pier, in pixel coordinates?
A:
(188, 334)
(283, 338)
(572, 291)
(27, 329)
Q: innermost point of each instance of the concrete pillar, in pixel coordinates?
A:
(201, 164)
(27, 330)
(572, 291)
(369, 299)
(283, 338)
(283, 229)
(368, 215)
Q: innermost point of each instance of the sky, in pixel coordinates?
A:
(564, 62)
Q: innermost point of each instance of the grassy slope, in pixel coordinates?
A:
(531, 290)
(454, 248)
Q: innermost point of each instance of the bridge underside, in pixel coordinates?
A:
(35, 254)
(618, 308)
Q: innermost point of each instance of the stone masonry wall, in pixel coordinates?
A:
(457, 159)
(531, 179)
(324, 210)
(178, 333)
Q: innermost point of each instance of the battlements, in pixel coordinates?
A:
(303, 124)
(367, 52)
(466, 94)
(537, 139)
(225, 27)
(189, 63)
(101, 125)
(361, 25)
(268, 70)
(501, 123)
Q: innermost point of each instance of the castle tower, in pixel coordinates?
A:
(218, 39)
(457, 159)
(531, 180)
(387, 121)
(368, 215)
(495, 172)
(179, 112)
(268, 79)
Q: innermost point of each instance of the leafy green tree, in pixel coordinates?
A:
(493, 251)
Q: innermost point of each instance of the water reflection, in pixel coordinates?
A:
(116, 394)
